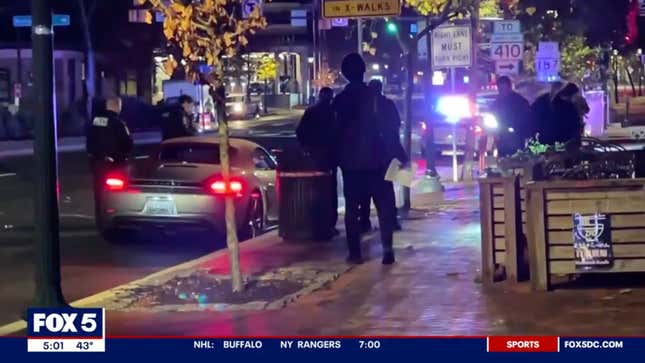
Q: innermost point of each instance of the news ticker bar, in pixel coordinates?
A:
(498, 344)
(66, 345)
(494, 344)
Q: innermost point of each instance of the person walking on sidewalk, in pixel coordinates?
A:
(391, 120)
(317, 136)
(178, 120)
(108, 144)
(363, 159)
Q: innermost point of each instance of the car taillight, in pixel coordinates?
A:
(219, 187)
(115, 183)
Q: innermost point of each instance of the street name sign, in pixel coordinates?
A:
(507, 68)
(24, 21)
(360, 8)
(451, 47)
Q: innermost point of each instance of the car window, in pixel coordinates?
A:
(262, 160)
(193, 153)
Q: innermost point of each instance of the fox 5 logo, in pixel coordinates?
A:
(66, 322)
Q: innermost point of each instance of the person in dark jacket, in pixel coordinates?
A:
(389, 116)
(178, 120)
(108, 144)
(512, 111)
(568, 115)
(363, 158)
(542, 115)
(316, 134)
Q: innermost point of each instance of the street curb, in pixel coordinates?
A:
(20, 325)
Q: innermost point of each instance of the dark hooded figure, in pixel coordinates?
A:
(363, 158)
(513, 113)
(316, 133)
(568, 115)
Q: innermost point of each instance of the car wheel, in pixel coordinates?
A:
(254, 224)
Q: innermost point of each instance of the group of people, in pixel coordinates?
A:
(358, 132)
(555, 117)
(109, 142)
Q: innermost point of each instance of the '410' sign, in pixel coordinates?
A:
(507, 51)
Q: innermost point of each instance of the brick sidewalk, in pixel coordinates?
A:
(431, 290)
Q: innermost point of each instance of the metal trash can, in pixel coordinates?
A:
(305, 199)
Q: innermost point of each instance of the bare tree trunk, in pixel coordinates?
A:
(469, 147)
(430, 146)
(631, 81)
(90, 70)
(231, 228)
(407, 136)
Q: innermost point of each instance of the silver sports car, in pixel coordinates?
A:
(182, 186)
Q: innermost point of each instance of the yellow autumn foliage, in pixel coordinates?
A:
(268, 69)
(206, 31)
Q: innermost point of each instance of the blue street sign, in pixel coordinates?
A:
(24, 21)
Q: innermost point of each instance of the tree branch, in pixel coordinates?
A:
(447, 13)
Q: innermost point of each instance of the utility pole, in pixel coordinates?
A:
(359, 33)
(48, 281)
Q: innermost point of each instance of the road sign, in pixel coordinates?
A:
(339, 22)
(506, 51)
(549, 49)
(547, 62)
(249, 5)
(506, 27)
(507, 38)
(507, 41)
(24, 21)
(451, 47)
(360, 8)
(507, 68)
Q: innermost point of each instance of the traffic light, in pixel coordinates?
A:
(391, 27)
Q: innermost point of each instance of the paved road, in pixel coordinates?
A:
(89, 264)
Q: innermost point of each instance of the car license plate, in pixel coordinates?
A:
(160, 206)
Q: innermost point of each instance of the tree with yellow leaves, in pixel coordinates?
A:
(267, 70)
(200, 34)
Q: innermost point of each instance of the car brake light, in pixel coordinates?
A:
(219, 187)
(115, 183)
(236, 186)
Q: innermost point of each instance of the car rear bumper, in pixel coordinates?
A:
(127, 210)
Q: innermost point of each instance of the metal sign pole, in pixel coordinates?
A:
(359, 32)
(455, 165)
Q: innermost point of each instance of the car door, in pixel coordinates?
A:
(265, 171)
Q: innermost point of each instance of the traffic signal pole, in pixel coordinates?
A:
(48, 280)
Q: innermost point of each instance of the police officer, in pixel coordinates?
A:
(178, 120)
(109, 144)
(363, 158)
(513, 113)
